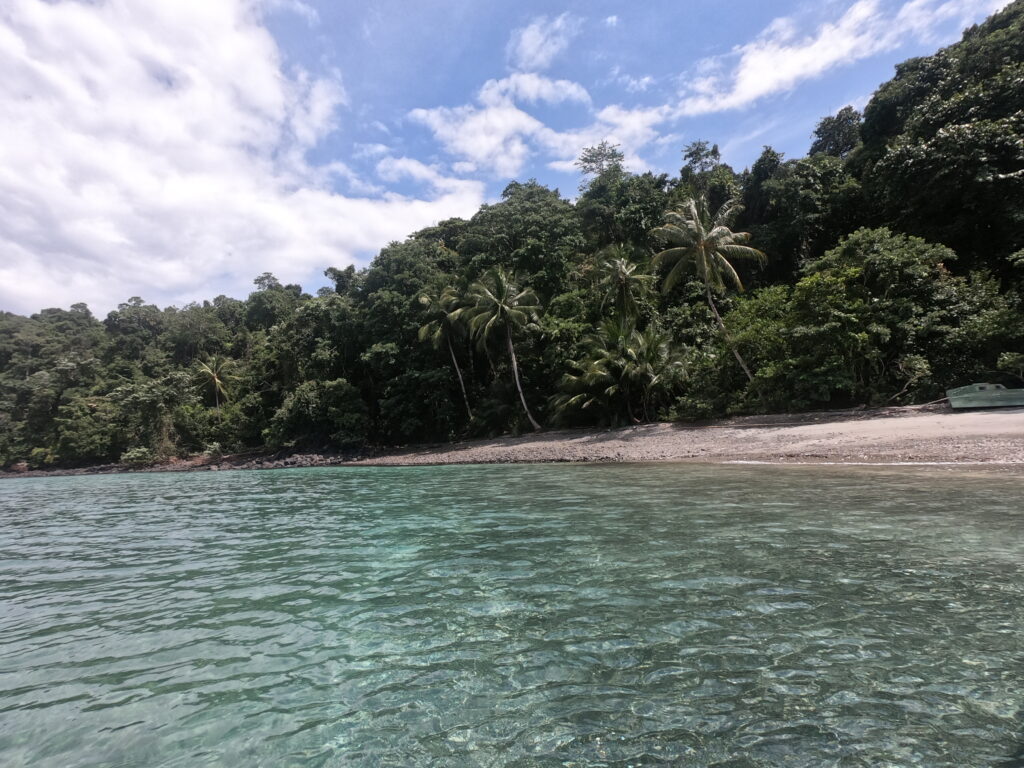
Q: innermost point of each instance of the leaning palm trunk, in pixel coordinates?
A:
(515, 375)
(462, 384)
(695, 239)
(725, 335)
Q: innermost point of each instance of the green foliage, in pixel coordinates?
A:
(533, 232)
(87, 431)
(621, 208)
(837, 135)
(1012, 363)
(319, 413)
(942, 155)
(624, 375)
(705, 176)
(878, 319)
(138, 458)
(603, 159)
(444, 329)
(798, 209)
(694, 240)
(496, 309)
(215, 374)
(621, 282)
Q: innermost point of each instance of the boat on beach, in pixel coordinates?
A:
(985, 395)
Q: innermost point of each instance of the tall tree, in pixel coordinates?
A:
(701, 157)
(499, 307)
(705, 175)
(696, 240)
(621, 281)
(442, 327)
(837, 135)
(595, 161)
(215, 373)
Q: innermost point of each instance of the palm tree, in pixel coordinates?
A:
(621, 365)
(440, 330)
(655, 365)
(215, 373)
(706, 244)
(620, 280)
(496, 306)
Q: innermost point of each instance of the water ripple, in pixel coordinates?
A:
(513, 616)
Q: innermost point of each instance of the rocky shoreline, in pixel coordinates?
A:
(916, 434)
(198, 464)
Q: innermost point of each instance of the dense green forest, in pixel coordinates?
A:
(882, 268)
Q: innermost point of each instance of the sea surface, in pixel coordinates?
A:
(627, 615)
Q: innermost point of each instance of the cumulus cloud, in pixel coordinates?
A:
(631, 129)
(611, 21)
(498, 136)
(630, 83)
(160, 150)
(495, 136)
(780, 58)
(535, 46)
(370, 150)
(398, 168)
(638, 84)
(491, 138)
(530, 87)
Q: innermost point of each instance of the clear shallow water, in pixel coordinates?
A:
(513, 616)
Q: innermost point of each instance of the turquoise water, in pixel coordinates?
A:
(513, 616)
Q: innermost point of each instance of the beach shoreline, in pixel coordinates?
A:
(912, 435)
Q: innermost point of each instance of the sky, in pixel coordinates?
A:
(176, 149)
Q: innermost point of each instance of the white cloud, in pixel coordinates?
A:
(630, 83)
(492, 137)
(313, 113)
(496, 135)
(535, 46)
(737, 141)
(397, 168)
(370, 150)
(531, 88)
(780, 57)
(639, 84)
(297, 7)
(499, 136)
(158, 150)
(611, 21)
(631, 129)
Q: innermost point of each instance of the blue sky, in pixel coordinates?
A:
(174, 150)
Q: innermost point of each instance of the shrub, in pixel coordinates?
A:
(138, 457)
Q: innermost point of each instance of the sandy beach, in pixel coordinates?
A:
(907, 435)
(892, 435)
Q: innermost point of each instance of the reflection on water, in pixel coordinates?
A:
(513, 616)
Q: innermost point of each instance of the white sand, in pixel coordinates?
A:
(892, 435)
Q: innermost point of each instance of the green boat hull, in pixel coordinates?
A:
(985, 396)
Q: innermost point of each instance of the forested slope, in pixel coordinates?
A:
(893, 268)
